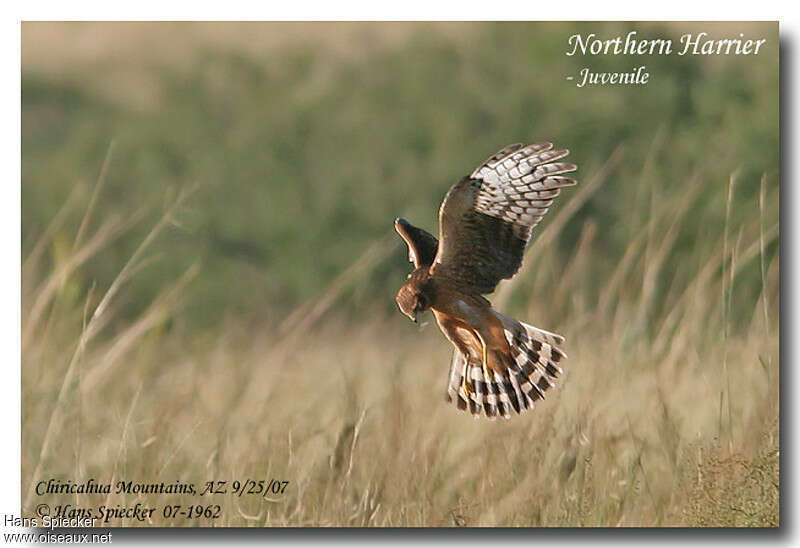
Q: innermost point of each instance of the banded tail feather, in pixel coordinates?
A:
(533, 368)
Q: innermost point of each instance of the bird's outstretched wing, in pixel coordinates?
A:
(486, 219)
(422, 245)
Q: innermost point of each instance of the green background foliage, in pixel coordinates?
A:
(304, 159)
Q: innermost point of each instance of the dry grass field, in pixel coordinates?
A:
(661, 271)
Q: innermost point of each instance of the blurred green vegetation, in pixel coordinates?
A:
(304, 159)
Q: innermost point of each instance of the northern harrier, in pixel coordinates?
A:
(485, 222)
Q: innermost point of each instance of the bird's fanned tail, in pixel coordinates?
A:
(533, 368)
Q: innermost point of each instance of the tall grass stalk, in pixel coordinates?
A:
(97, 320)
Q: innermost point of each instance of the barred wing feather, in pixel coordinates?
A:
(486, 219)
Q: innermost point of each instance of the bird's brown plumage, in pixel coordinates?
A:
(485, 223)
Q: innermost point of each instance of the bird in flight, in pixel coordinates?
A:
(485, 223)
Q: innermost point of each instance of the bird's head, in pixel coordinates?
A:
(414, 296)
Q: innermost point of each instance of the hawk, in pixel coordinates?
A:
(485, 223)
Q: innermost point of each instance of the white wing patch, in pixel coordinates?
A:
(518, 183)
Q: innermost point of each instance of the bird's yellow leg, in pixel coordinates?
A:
(486, 373)
(449, 329)
(464, 380)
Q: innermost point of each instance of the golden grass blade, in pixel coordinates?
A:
(101, 181)
(123, 439)
(126, 271)
(576, 264)
(93, 327)
(701, 282)
(158, 309)
(761, 249)
(41, 243)
(107, 233)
